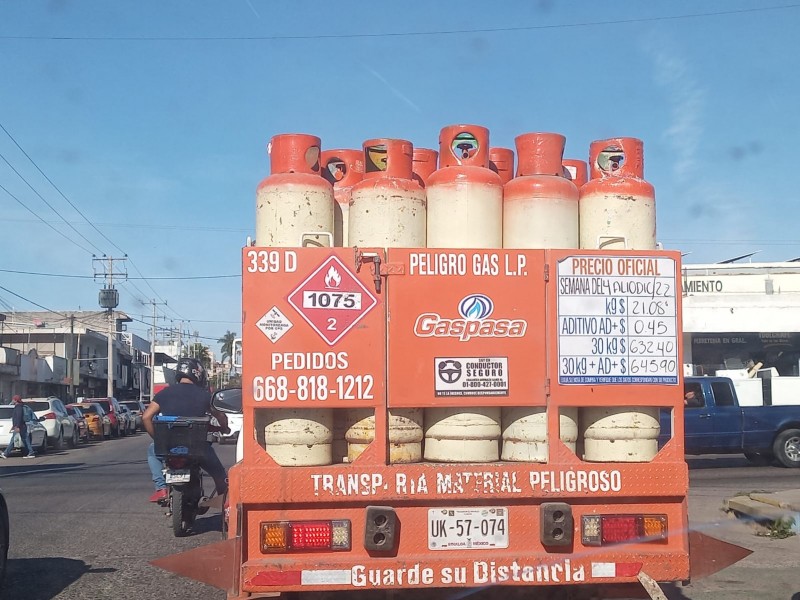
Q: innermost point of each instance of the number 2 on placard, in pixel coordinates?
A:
(331, 324)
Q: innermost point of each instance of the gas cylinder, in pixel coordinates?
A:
(462, 435)
(294, 205)
(617, 206)
(620, 434)
(618, 211)
(525, 437)
(540, 206)
(423, 164)
(576, 171)
(387, 209)
(342, 169)
(501, 161)
(465, 210)
(299, 437)
(465, 198)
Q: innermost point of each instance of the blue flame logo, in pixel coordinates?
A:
(476, 307)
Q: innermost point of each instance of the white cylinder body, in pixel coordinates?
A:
(620, 434)
(386, 215)
(525, 437)
(461, 435)
(614, 221)
(462, 214)
(286, 211)
(299, 437)
(405, 434)
(541, 222)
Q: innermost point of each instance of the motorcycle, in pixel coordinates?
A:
(179, 441)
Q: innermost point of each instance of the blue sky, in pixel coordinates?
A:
(152, 118)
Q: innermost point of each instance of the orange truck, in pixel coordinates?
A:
(368, 466)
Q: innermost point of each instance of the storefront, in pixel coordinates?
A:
(742, 316)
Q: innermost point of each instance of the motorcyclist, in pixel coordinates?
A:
(189, 398)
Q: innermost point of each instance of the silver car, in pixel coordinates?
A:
(37, 434)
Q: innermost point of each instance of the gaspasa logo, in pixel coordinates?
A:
(475, 311)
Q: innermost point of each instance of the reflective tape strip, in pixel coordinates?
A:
(326, 577)
(604, 570)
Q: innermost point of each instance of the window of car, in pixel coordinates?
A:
(6, 412)
(37, 405)
(105, 405)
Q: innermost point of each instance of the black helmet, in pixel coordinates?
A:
(191, 368)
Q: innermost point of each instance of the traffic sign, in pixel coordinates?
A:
(332, 300)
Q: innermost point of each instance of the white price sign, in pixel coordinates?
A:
(617, 320)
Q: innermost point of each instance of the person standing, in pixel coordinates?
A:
(19, 427)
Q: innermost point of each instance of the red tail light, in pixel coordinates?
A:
(599, 530)
(283, 536)
(50, 415)
(177, 463)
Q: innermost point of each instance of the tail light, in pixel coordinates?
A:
(288, 536)
(177, 463)
(604, 530)
(48, 416)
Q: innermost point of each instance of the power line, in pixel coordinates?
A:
(56, 188)
(50, 206)
(61, 233)
(398, 34)
(135, 278)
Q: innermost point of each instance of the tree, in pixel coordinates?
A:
(227, 344)
(200, 352)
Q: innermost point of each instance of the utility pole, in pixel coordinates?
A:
(153, 349)
(109, 299)
(71, 363)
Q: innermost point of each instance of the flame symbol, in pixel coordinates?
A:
(476, 307)
(332, 278)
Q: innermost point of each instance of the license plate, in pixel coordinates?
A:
(467, 528)
(177, 477)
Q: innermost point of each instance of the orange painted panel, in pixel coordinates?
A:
(465, 328)
(314, 330)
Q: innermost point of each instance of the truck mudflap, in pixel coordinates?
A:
(219, 565)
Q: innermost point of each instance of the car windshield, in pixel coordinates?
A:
(5, 412)
(37, 406)
(90, 409)
(74, 411)
(104, 404)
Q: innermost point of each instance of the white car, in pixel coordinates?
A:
(37, 434)
(59, 424)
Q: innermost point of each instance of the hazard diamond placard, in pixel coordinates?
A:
(332, 300)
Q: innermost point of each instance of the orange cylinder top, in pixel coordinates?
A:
(424, 164)
(576, 171)
(464, 145)
(618, 157)
(388, 158)
(294, 153)
(540, 154)
(501, 161)
(342, 168)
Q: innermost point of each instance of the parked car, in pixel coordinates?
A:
(76, 413)
(111, 408)
(97, 420)
(715, 423)
(137, 410)
(60, 426)
(37, 434)
(130, 420)
(229, 401)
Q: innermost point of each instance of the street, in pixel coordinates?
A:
(81, 527)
